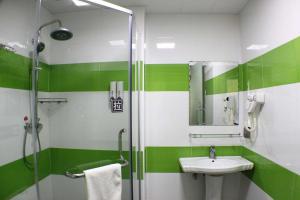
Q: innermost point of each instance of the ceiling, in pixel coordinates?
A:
(160, 6)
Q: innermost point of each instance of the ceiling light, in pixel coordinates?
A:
(117, 43)
(80, 3)
(108, 5)
(257, 47)
(169, 45)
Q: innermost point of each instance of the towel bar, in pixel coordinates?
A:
(69, 174)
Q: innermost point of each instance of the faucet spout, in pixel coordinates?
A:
(212, 152)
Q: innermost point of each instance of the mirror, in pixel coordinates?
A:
(213, 92)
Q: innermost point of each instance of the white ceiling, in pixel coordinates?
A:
(160, 6)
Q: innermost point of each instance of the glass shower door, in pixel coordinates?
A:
(90, 127)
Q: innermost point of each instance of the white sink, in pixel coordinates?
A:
(219, 166)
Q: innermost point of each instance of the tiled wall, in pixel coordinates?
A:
(167, 99)
(15, 98)
(273, 70)
(84, 126)
(165, 159)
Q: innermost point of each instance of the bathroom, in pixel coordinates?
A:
(187, 100)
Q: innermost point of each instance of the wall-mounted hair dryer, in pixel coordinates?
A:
(254, 103)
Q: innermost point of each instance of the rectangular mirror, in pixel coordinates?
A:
(213, 93)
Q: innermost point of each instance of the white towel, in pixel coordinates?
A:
(104, 183)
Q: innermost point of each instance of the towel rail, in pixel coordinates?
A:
(80, 175)
(83, 167)
(218, 135)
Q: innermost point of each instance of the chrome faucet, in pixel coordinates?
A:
(212, 152)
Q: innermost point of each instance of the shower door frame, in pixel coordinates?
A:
(98, 3)
(101, 3)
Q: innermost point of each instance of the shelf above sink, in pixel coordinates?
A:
(219, 166)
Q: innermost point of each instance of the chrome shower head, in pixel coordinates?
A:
(61, 34)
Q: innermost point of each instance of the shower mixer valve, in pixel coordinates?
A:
(28, 125)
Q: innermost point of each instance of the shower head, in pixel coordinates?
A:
(61, 34)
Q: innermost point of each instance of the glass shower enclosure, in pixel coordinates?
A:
(83, 57)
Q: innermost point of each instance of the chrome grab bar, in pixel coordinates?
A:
(80, 175)
(122, 160)
(218, 135)
(123, 130)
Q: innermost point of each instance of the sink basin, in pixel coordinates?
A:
(219, 166)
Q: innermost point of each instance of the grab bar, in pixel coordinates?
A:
(122, 161)
(80, 175)
(123, 130)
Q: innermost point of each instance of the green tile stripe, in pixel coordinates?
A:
(15, 177)
(279, 66)
(15, 72)
(166, 77)
(63, 159)
(87, 76)
(223, 83)
(275, 180)
(166, 159)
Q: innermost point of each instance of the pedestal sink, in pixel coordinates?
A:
(214, 169)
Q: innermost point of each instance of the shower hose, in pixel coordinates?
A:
(27, 163)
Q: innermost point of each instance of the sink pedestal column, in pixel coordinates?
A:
(213, 187)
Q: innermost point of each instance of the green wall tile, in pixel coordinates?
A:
(252, 74)
(297, 51)
(280, 66)
(272, 178)
(166, 77)
(275, 180)
(14, 70)
(64, 159)
(241, 77)
(225, 83)
(166, 159)
(15, 177)
(44, 78)
(75, 77)
(87, 76)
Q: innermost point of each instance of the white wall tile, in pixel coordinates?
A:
(92, 32)
(75, 189)
(270, 23)
(45, 191)
(250, 191)
(167, 122)
(86, 121)
(197, 38)
(18, 18)
(277, 134)
(14, 105)
(183, 186)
